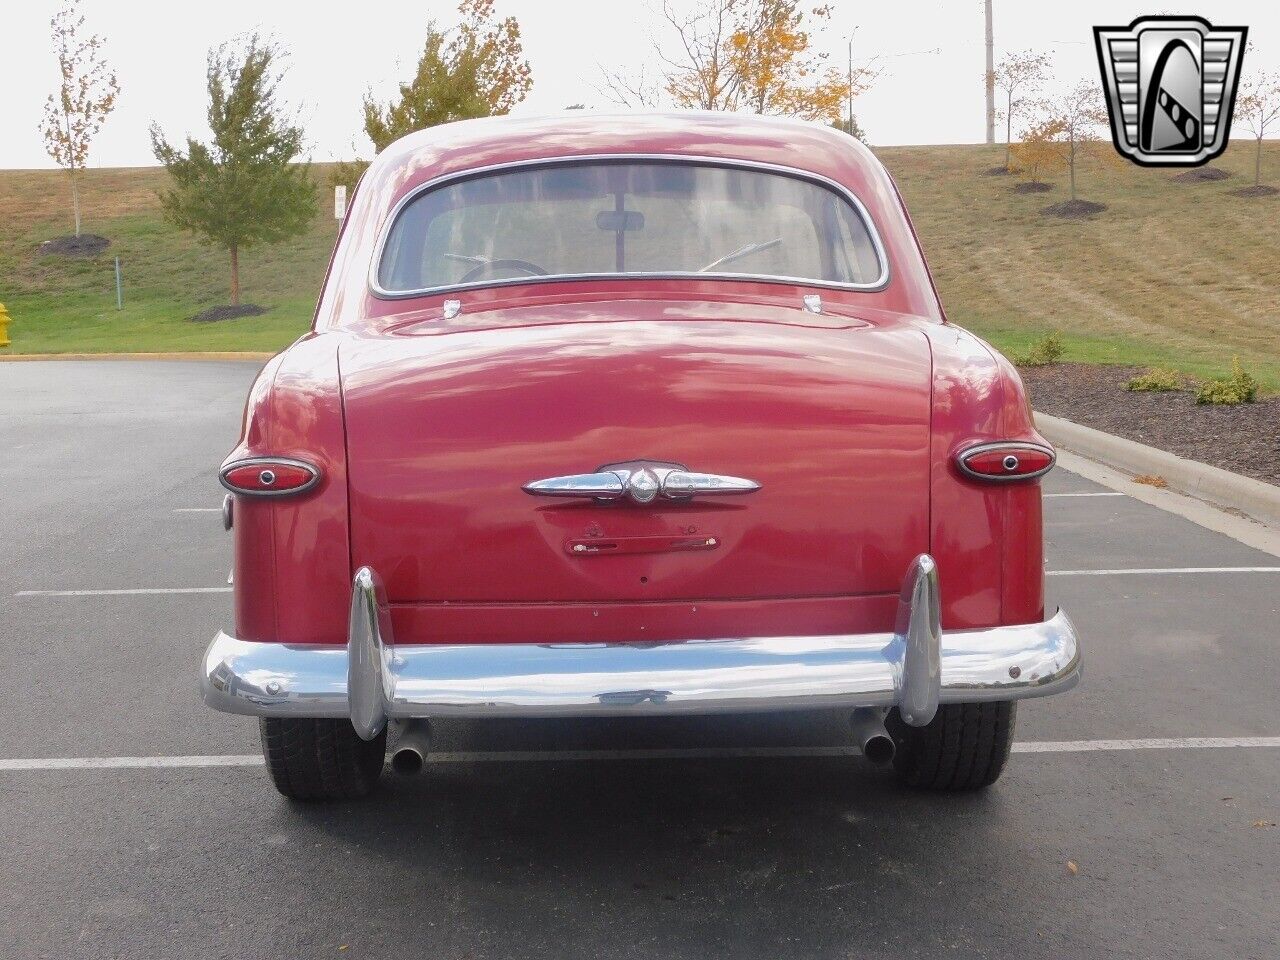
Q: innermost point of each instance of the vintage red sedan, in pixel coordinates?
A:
(634, 415)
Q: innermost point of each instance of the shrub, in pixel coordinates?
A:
(1238, 388)
(1155, 380)
(1044, 352)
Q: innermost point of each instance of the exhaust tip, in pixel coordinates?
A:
(407, 762)
(878, 749)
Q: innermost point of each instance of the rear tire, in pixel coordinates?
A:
(321, 759)
(964, 747)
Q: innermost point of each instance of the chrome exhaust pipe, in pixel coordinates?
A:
(412, 747)
(871, 736)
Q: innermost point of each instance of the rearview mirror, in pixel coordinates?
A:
(619, 220)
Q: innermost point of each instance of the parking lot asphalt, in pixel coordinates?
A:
(1086, 847)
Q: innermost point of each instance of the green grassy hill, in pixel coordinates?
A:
(1180, 274)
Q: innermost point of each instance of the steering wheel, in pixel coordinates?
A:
(480, 269)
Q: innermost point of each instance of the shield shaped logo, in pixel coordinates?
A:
(1171, 87)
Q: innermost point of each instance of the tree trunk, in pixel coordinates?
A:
(75, 198)
(235, 275)
(1071, 163)
(1008, 134)
(1257, 164)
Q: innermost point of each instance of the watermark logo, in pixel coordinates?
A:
(1171, 87)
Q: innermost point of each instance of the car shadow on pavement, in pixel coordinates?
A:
(801, 846)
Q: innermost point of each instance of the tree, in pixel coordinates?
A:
(246, 186)
(1018, 76)
(751, 55)
(851, 126)
(476, 69)
(87, 93)
(1076, 118)
(1038, 150)
(779, 73)
(1258, 107)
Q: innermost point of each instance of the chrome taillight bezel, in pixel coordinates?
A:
(963, 456)
(267, 462)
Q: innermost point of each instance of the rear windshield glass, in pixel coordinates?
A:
(606, 218)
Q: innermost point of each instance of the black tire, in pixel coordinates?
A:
(321, 759)
(964, 747)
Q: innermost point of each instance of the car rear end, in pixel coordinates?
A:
(637, 491)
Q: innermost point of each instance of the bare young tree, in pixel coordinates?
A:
(1258, 107)
(1019, 76)
(86, 95)
(638, 92)
(755, 55)
(1077, 115)
(700, 72)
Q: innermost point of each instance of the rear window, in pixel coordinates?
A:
(607, 218)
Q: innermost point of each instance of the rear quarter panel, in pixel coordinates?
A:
(986, 537)
(292, 554)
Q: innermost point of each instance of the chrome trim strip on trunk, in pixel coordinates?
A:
(915, 668)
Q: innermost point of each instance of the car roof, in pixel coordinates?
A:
(491, 141)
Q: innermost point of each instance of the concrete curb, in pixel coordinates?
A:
(1222, 487)
(191, 355)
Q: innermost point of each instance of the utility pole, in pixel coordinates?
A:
(850, 128)
(991, 78)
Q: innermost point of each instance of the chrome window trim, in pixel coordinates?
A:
(384, 232)
(962, 460)
(254, 461)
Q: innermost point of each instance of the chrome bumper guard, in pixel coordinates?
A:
(372, 680)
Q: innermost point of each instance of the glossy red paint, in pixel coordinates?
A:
(444, 431)
(424, 429)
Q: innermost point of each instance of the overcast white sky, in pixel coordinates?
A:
(159, 49)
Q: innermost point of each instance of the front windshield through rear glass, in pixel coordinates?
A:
(614, 218)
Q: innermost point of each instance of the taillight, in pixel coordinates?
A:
(1012, 460)
(268, 476)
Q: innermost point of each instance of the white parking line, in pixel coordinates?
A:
(1146, 570)
(1107, 493)
(124, 763)
(1155, 743)
(219, 509)
(695, 753)
(119, 593)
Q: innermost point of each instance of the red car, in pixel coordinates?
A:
(634, 415)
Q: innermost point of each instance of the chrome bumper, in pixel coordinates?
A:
(371, 680)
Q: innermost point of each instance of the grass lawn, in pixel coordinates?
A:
(1176, 274)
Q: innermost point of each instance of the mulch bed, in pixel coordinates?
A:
(1244, 439)
(1031, 186)
(1260, 190)
(213, 314)
(999, 171)
(85, 245)
(1073, 209)
(1201, 175)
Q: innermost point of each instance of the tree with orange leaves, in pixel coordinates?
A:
(1038, 151)
(85, 97)
(754, 55)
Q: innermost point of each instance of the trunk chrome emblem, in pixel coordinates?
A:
(641, 481)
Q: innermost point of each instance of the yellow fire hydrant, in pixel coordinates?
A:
(4, 326)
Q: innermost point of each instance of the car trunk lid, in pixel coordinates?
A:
(831, 419)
